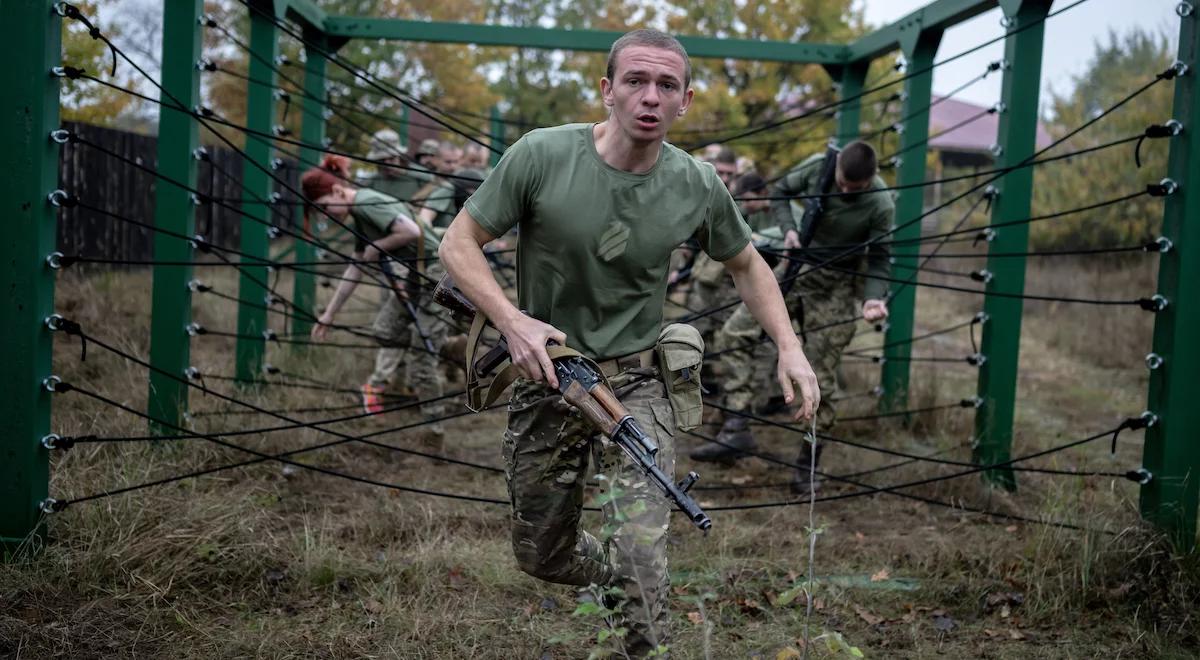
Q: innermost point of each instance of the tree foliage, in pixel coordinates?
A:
(84, 100)
(1118, 67)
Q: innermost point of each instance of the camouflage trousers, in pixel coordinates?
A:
(403, 346)
(821, 302)
(547, 448)
(710, 286)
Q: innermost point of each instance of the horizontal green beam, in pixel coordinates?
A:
(578, 40)
(306, 12)
(902, 34)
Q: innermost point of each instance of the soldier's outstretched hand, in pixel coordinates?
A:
(795, 372)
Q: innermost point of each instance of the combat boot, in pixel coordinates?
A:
(804, 482)
(733, 441)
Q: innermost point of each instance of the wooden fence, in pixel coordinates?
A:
(127, 191)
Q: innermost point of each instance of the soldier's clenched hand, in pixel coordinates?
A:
(794, 370)
(527, 337)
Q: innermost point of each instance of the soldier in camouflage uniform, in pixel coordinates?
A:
(708, 280)
(386, 229)
(600, 208)
(823, 297)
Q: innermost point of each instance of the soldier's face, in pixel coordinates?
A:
(726, 171)
(851, 190)
(647, 92)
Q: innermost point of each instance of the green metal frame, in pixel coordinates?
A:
(600, 41)
(174, 211)
(312, 132)
(30, 104)
(1169, 500)
(920, 47)
(851, 78)
(1017, 142)
(1171, 452)
(260, 116)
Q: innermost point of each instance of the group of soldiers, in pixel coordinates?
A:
(610, 220)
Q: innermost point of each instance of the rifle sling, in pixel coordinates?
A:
(480, 396)
(814, 209)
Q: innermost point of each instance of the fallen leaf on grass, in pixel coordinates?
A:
(1010, 529)
(1016, 635)
(787, 653)
(695, 617)
(871, 619)
(881, 575)
(860, 537)
(373, 606)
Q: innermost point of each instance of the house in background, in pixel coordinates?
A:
(963, 136)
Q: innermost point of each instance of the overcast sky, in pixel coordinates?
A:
(1070, 40)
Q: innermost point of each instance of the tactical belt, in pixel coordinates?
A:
(480, 396)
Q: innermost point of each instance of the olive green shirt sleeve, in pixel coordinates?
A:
(724, 233)
(800, 181)
(504, 196)
(376, 209)
(879, 265)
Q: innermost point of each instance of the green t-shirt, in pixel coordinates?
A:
(373, 214)
(845, 222)
(440, 200)
(595, 242)
(400, 186)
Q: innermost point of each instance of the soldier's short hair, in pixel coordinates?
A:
(857, 162)
(750, 182)
(649, 38)
(725, 155)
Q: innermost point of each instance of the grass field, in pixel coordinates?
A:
(273, 561)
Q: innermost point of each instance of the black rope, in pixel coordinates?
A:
(395, 407)
(891, 452)
(367, 77)
(229, 143)
(59, 505)
(1025, 163)
(908, 75)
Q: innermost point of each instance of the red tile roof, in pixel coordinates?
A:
(975, 136)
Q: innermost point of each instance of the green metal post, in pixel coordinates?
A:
(31, 28)
(311, 132)
(920, 46)
(851, 79)
(1017, 142)
(260, 113)
(404, 130)
(1171, 452)
(171, 306)
(497, 136)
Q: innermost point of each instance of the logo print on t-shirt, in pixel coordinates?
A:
(613, 241)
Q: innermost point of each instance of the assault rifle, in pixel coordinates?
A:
(584, 387)
(814, 208)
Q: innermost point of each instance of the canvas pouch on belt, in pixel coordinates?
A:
(680, 351)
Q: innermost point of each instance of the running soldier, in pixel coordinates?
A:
(600, 209)
(848, 208)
